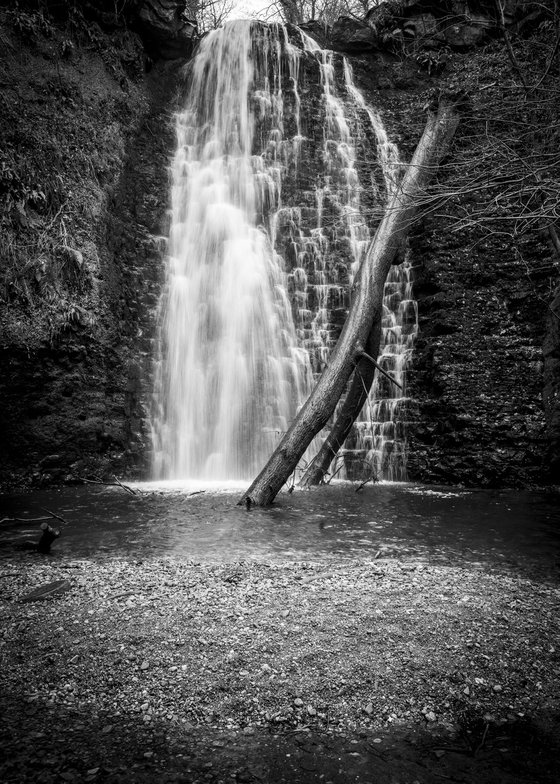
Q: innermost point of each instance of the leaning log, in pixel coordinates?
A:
(367, 302)
(350, 408)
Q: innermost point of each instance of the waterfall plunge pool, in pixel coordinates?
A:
(202, 523)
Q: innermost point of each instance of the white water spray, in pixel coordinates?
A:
(231, 375)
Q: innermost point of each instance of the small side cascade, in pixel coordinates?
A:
(329, 234)
(387, 150)
(379, 442)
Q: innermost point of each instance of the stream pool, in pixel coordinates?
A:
(204, 523)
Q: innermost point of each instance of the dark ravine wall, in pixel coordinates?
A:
(83, 266)
(484, 378)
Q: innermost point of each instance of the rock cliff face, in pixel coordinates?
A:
(84, 189)
(484, 379)
(86, 132)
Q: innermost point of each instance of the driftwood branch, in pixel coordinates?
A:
(55, 515)
(124, 487)
(23, 519)
(116, 483)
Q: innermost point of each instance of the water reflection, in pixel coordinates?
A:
(203, 523)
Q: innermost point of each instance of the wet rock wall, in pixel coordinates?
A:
(483, 384)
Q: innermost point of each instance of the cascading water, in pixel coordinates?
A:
(267, 229)
(231, 374)
(380, 438)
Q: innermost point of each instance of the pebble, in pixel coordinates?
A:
(343, 711)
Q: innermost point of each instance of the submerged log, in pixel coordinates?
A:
(367, 303)
(49, 591)
(47, 538)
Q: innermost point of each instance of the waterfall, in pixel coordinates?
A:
(271, 209)
(231, 374)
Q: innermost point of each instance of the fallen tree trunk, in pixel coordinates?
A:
(367, 304)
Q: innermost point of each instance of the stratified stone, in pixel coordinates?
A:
(352, 36)
(167, 28)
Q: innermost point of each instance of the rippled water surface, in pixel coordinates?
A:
(384, 521)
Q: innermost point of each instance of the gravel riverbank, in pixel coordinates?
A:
(164, 670)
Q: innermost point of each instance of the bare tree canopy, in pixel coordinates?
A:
(211, 14)
(325, 11)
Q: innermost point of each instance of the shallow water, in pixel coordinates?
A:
(202, 523)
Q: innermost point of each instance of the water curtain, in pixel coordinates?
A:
(269, 220)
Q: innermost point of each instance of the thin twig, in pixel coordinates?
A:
(332, 476)
(481, 744)
(364, 483)
(24, 519)
(378, 366)
(125, 487)
(54, 514)
(107, 484)
(305, 728)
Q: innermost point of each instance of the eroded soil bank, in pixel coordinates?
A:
(372, 671)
